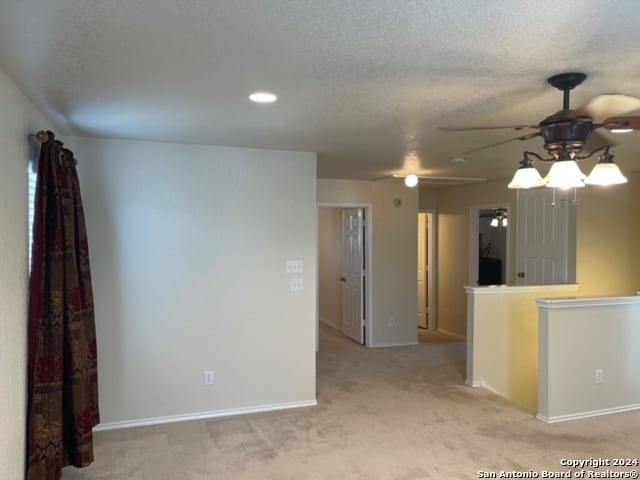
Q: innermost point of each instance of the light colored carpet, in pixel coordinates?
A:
(384, 414)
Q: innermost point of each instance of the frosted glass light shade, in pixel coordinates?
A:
(605, 174)
(565, 174)
(494, 222)
(411, 180)
(526, 178)
(505, 221)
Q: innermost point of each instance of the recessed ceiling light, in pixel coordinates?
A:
(263, 97)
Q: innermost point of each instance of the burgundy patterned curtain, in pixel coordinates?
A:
(63, 381)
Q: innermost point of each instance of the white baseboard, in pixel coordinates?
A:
(331, 324)
(392, 344)
(143, 422)
(451, 334)
(594, 413)
(486, 386)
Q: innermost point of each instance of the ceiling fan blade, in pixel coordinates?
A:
(467, 129)
(632, 122)
(484, 147)
(608, 105)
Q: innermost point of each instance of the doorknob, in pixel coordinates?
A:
(521, 274)
(342, 279)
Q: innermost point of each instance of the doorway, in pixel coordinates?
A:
(344, 299)
(426, 270)
(489, 244)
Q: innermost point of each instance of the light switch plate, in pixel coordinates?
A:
(296, 285)
(295, 266)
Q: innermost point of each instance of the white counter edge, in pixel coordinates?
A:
(573, 302)
(502, 289)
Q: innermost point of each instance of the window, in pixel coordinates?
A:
(32, 176)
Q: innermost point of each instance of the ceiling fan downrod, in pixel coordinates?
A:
(566, 82)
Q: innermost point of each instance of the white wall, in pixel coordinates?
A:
(188, 247)
(18, 119)
(394, 253)
(330, 266)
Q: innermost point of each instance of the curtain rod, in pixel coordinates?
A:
(41, 136)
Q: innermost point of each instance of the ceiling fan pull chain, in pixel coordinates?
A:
(575, 196)
(553, 202)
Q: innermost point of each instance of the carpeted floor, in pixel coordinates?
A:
(384, 414)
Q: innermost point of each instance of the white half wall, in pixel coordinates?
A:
(502, 339)
(188, 247)
(18, 119)
(582, 339)
(394, 254)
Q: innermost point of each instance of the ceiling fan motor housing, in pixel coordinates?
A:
(563, 133)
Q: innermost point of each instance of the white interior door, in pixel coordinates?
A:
(422, 270)
(353, 277)
(543, 236)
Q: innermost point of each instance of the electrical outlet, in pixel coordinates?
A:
(296, 285)
(599, 375)
(208, 377)
(295, 266)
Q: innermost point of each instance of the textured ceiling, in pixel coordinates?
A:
(363, 83)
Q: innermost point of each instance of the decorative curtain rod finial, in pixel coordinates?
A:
(42, 136)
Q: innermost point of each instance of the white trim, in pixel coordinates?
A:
(451, 334)
(143, 422)
(328, 323)
(501, 289)
(573, 302)
(483, 384)
(594, 413)
(391, 344)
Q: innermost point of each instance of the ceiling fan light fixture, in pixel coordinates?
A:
(621, 130)
(606, 172)
(499, 217)
(526, 176)
(411, 180)
(565, 174)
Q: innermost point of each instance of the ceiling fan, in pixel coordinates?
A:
(567, 132)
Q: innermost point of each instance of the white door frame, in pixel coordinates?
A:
(369, 315)
(474, 230)
(432, 295)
